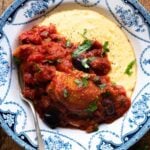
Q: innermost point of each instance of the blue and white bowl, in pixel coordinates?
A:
(15, 116)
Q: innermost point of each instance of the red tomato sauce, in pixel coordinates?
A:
(68, 82)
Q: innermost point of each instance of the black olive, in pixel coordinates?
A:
(109, 107)
(77, 62)
(110, 110)
(51, 118)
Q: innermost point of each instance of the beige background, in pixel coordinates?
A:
(6, 143)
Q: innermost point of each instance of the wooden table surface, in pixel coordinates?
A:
(6, 143)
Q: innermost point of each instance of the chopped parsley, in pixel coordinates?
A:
(50, 61)
(102, 86)
(105, 48)
(85, 62)
(128, 70)
(86, 45)
(92, 107)
(68, 43)
(65, 93)
(37, 68)
(84, 34)
(53, 61)
(78, 82)
(16, 60)
(83, 82)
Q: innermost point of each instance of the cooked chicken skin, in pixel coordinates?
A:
(77, 99)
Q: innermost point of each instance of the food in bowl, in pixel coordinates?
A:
(75, 83)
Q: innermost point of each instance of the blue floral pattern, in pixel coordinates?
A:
(20, 111)
(88, 3)
(100, 141)
(139, 115)
(145, 61)
(57, 143)
(9, 119)
(140, 110)
(104, 146)
(36, 8)
(129, 18)
(4, 67)
(53, 140)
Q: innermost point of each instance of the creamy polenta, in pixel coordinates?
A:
(72, 22)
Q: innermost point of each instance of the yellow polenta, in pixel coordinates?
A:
(71, 23)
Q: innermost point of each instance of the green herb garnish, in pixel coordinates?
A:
(83, 82)
(84, 34)
(102, 86)
(105, 48)
(85, 62)
(68, 43)
(92, 107)
(86, 45)
(16, 60)
(37, 68)
(128, 70)
(78, 82)
(65, 92)
(50, 61)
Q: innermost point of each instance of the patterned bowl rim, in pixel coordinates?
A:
(146, 127)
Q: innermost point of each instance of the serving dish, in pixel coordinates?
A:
(15, 116)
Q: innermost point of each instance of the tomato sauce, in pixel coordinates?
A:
(68, 82)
